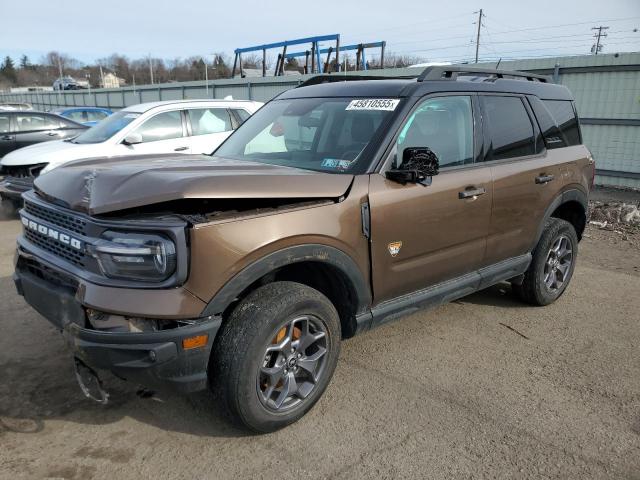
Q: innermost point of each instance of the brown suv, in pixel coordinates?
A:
(338, 206)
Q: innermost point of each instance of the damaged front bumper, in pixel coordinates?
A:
(160, 360)
(12, 188)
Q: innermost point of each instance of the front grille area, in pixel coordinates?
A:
(60, 219)
(71, 255)
(45, 273)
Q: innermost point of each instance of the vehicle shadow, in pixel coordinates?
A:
(499, 295)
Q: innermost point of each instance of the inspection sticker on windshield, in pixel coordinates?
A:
(388, 104)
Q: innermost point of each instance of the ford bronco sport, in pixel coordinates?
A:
(338, 206)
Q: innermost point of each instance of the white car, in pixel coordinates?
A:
(187, 126)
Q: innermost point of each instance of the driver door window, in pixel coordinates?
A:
(444, 125)
(164, 126)
(162, 133)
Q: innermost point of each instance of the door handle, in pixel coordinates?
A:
(52, 134)
(542, 179)
(7, 137)
(180, 149)
(471, 193)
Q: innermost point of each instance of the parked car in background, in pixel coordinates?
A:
(23, 128)
(187, 126)
(11, 106)
(84, 115)
(65, 83)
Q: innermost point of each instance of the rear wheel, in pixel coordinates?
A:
(276, 355)
(552, 265)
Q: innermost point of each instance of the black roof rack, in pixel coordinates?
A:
(439, 72)
(451, 72)
(338, 77)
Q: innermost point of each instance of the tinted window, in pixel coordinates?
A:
(163, 126)
(30, 122)
(443, 124)
(510, 128)
(209, 120)
(96, 115)
(241, 114)
(563, 113)
(78, 116)
(5, 123)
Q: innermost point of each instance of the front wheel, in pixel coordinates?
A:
(552, 264)
(276, 355)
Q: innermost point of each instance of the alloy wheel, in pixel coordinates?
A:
(293, 363)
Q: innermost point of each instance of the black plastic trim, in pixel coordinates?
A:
(564, 197)
(449, 290)
(289, 256)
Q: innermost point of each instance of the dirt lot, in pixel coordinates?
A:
(482, 388)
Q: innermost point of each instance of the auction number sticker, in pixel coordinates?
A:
(388, 104)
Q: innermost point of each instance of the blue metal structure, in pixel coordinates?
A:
(315, 53)
(360, 54)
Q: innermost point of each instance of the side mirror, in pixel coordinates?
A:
(418, 166)
(132, 139)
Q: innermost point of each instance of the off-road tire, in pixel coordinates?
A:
(239, 351)
(533, 289)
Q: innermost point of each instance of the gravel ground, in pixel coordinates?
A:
(484, 387)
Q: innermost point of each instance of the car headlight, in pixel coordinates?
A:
(135, 256)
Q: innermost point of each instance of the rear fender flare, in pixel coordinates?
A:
(564, 197)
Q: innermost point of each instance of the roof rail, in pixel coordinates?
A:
(337, 77)
(451, 72)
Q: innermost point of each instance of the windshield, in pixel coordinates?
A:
(107, 128)
(323, 134)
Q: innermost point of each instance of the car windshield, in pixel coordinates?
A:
(322, 134)
(106, 128)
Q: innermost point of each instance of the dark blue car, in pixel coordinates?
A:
(86, 115)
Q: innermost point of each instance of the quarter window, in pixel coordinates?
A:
(241, 114)
(510, 127)
(565, 117)
(209, 120)
(444, 125)
(163, 126)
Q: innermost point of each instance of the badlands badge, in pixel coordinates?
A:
(394, 248)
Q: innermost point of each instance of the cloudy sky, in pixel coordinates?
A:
(433, 30)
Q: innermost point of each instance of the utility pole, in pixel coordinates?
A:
(597, 47)
(478, 34)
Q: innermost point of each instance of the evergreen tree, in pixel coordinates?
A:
(8, 70)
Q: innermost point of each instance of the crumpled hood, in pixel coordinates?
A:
(55, 151)
(101, 185)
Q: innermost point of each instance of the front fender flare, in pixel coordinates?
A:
(288, 256)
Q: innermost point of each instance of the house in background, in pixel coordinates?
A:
(110, 80)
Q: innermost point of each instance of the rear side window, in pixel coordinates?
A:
(510, 127)
(565, 118)
(209, 120)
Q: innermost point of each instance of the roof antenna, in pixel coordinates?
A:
(498, 64)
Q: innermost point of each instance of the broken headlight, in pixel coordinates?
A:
(136, 256)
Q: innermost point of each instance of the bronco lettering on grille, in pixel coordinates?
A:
(52, 233)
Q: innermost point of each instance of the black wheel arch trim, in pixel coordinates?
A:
(289, 256)
(573, 195)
